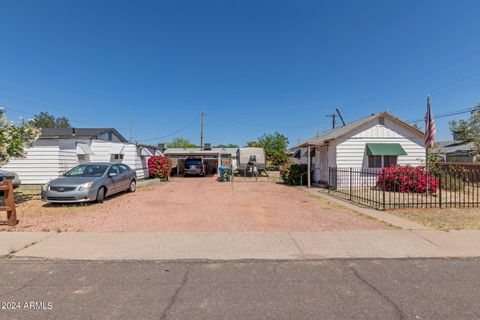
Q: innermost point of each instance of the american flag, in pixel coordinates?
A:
(430, 130)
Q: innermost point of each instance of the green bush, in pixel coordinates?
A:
(294, 173)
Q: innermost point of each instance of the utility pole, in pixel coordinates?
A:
(333, 116)
(201, 130)
(340, 115)
(130, 129)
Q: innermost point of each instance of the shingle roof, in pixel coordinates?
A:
(75, 132)
(452, 147)
(339, 131)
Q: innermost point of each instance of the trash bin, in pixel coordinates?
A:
(224, 174)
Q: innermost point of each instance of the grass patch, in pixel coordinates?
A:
(443, 219)
(332, 205)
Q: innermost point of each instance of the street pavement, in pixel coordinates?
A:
(320, 289)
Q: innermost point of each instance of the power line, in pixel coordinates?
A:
(263, 125)
(447, 114)
(173, 133)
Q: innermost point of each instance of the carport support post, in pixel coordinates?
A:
(309, 165)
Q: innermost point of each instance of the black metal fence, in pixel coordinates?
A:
(372, 188)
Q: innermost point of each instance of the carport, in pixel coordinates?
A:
(213, 158)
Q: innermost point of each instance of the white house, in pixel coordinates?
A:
(374, 142)
(60, 149)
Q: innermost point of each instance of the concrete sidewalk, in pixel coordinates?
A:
(240, 245)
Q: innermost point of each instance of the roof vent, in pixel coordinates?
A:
(381, 121)
(207, 146)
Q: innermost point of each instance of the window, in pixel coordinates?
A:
(381, 121)
(114, 169)
(83, 158)
(118, 156)
(123, 168)
(389, 160)
(92, 170)
(381, 161)
(374, 161)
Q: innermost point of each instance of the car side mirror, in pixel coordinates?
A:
(112, 174)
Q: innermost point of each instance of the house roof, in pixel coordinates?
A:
(195, 151)
(78, 132)
(340, 131)
(453, 147)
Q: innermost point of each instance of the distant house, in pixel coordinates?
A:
(60, 149)
(374, 142)
(454, 151)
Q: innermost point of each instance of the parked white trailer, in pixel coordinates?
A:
(246, 156)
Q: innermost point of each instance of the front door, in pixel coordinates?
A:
(323, 163)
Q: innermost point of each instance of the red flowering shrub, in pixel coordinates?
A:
(406, 179)
(159, 166)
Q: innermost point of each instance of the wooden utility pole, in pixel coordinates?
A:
(333, 116)
(201, 130)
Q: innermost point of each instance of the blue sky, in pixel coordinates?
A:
(253, 66)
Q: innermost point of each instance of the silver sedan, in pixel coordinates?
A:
(90, 182)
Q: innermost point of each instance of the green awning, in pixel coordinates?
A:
(385, 149)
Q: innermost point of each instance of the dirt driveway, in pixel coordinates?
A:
(198, 204)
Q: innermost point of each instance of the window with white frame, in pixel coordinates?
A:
(389, 160)
(381, 161)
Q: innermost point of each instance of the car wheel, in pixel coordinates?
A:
(101, 195)
(133, 186)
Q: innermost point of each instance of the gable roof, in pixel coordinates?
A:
(340, 131)
(91, 133)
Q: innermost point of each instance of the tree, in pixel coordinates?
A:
(417, 126)
(252, 144)
(180, 142)
(14, 138)
(468, 130)
(229, 145)
(275, 146)
(46, 120)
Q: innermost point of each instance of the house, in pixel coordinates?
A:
(374, 142)
(60, 149)
(455, 151)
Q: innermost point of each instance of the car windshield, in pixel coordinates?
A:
(90, 170)
(193, 162)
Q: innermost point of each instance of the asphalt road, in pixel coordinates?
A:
(329, 289)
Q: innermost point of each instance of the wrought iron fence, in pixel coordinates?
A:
(448, 188)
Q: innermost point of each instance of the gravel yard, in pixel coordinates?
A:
(195, 204)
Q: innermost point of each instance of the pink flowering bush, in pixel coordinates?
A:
(159, 167)
(406, 179)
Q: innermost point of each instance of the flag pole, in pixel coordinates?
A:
(426, 166)
(427, 125)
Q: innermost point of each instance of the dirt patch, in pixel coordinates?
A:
(197, 204)
(443, 219)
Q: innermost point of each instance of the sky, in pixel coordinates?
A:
(149, 68)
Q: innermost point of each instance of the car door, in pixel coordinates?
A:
(114, 179)
(125, 177)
